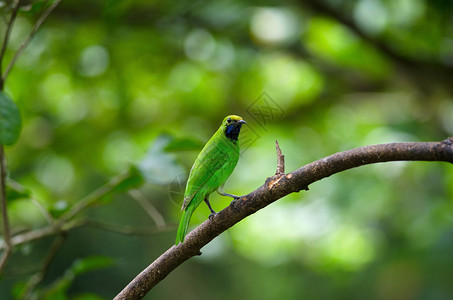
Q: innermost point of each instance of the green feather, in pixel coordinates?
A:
(182, 230)
(211, 169)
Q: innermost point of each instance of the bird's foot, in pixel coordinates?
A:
(232, 203)
(212, 215)
(222, 193)
(231, 195)
(210, 208)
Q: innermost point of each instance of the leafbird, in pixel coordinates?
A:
(211, 169)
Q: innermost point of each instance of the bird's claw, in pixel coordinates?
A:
(236, 198)
(229, 195)
(212, 215)
(232, 203)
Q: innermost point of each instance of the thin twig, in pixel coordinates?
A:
(47, 215)
(43, 211)
(6, 39)
(38, 234)
(42, 232)
(280, 160)
(4, 258)
(65, 222)
(49, 230)
(5, 222)
(93, 198)
(35, 28)
(148, 207)
(127, 230)
(16, 186)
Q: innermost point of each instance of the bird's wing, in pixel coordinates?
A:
(205, 166)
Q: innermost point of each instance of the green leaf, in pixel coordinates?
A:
(91, 263)
(32, 8)
(10, 121)
(133, 179)
(15, 191)
(106, 199)
(13, 194)
(57, 290)
(18, 289)
(59, 208)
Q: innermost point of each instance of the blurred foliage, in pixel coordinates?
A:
(109, 86)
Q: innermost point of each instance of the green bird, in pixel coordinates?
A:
(211, 169)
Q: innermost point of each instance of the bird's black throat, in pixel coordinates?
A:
(232, 131)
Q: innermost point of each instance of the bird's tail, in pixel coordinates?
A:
(184, 224)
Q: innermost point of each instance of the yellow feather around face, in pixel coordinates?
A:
(231, 118)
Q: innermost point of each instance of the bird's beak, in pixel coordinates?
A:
(242, 122)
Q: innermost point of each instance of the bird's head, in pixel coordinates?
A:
(232, 126)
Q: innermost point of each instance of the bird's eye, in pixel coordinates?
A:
(229, 120)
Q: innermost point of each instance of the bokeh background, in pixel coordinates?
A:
(106, 85)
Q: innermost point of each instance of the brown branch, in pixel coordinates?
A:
(68, 220)
(40, 233)
(65, 222)
(49, 230)
(5, 222)
(9, 27)
(280, 160)
(4, 210)
(273, 189)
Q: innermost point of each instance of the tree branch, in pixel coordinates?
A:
(280, 160)
(49, 230)
(5, 222)
(9, 27)
(93, 198)
(273, 189)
